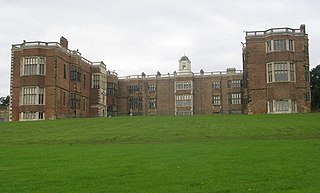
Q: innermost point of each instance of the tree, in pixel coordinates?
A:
(4, 101)
(315, 88)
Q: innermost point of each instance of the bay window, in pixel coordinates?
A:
(280, 45)
(280, 72)
(34, 65)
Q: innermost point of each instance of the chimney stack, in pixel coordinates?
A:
(303, 28)
(64, 42)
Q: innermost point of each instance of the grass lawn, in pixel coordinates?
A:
(211, 154)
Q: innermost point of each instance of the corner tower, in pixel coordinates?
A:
(276, 71)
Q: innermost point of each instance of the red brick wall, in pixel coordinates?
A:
(259, 91)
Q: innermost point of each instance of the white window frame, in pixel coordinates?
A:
(282, 106)
(32, 95)
(152, 88)
(275, 69)
(184, 113)
(216, 100)
(234, 112)
(33, 65)
(153, 103)
(183, 85)
(235, 99)
(32, 116)
(96, 81)
(216, 85)
(184, 100)
(280, 45)
(234, 83)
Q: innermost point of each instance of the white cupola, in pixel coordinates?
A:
(184, 65)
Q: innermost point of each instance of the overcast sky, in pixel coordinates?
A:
(134, 36)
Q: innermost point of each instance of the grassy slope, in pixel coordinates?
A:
(259, 153)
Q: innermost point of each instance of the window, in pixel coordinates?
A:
(216, 100)
(183, 100)
(291, 45)
(234, 112)
(64, 98)
(216, 84)
(31, 115)
(282, 106)
(32, 96)
(110, 89)
(269, 47)
(235, 99)
(152, 103)
(41, 96)
(306, 73)
(292, 72)
(183, 112)
(152, 88)
(96, 81)
(307, 96)
(135, 103)
(40, 115)
(183, 85)
(280, 45)
(33, 66)
(29, 96)
(84, 104)
(64, 71)
(84, 80)
(74, 101)
(41, 66)
(270, 106)
(280, 72)
(134, 88)
(270, 72)
(73, 72)
(234, 83)
(294, 106)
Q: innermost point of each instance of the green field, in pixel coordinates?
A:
(163, 154)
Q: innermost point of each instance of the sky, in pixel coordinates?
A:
(135, 36)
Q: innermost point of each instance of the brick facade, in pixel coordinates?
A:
(162, 88)
(276, 70)
(66, 80)
(49, 81)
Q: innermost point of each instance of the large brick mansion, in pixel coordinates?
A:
(49, 81)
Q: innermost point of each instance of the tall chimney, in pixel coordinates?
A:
(64, 42)
(303, 28)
